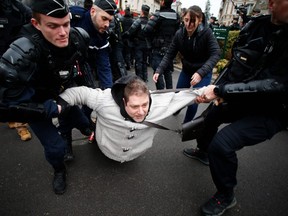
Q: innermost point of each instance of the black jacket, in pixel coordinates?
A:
(136, 34)
(33, 69)
(161, 27)
(258, 79)
(200, 52)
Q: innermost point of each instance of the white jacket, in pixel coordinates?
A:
(120, 139)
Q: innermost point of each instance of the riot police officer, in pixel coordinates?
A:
(127, 21)
(162, 27)
(48, 58)
(116, 43)
(13, 14)
(141, 43)
(96, 22)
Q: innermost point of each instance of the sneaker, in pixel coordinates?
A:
(91, 138)
(24, 134)
(59, 182)
(69, 156)
(197, 154)
(218, 204)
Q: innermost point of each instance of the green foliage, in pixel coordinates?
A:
(232, 36)
(220, 65)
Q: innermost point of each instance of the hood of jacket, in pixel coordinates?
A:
(117, 92)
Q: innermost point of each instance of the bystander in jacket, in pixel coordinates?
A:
(199, 50)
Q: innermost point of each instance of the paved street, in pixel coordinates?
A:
(162, 182)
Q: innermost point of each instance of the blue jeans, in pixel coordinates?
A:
(184, 82)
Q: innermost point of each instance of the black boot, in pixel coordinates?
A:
(59, 181)
(69, 156)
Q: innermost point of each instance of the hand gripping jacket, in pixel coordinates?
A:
(29, 65)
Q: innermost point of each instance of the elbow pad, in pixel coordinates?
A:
(20, 57)
(150, 26)
(268, 86)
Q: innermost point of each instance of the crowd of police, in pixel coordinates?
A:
(145, 40)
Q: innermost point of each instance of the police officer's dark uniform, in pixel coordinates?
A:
(162, 27)
(34, 72)
(13, 15)
(141, 42)
(99, 46)
(116, 42)
(255, 93)
(127, 21)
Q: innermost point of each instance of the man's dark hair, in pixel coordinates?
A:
(127, 11)
(135, 86)
(88, 4)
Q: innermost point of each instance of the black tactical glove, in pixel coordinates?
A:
(65, 107)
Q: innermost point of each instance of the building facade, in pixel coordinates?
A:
(230, 9)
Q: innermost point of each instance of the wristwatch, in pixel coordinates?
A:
(216, 90)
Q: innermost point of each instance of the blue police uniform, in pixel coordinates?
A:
(98, 53)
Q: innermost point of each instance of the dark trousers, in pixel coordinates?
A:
(165, 79)
(117, 61)
(141, 58)
(245, 130)
(54, 144)
(127, 56)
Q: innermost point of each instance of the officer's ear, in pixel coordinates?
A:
(35, 23)
(93, 10)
